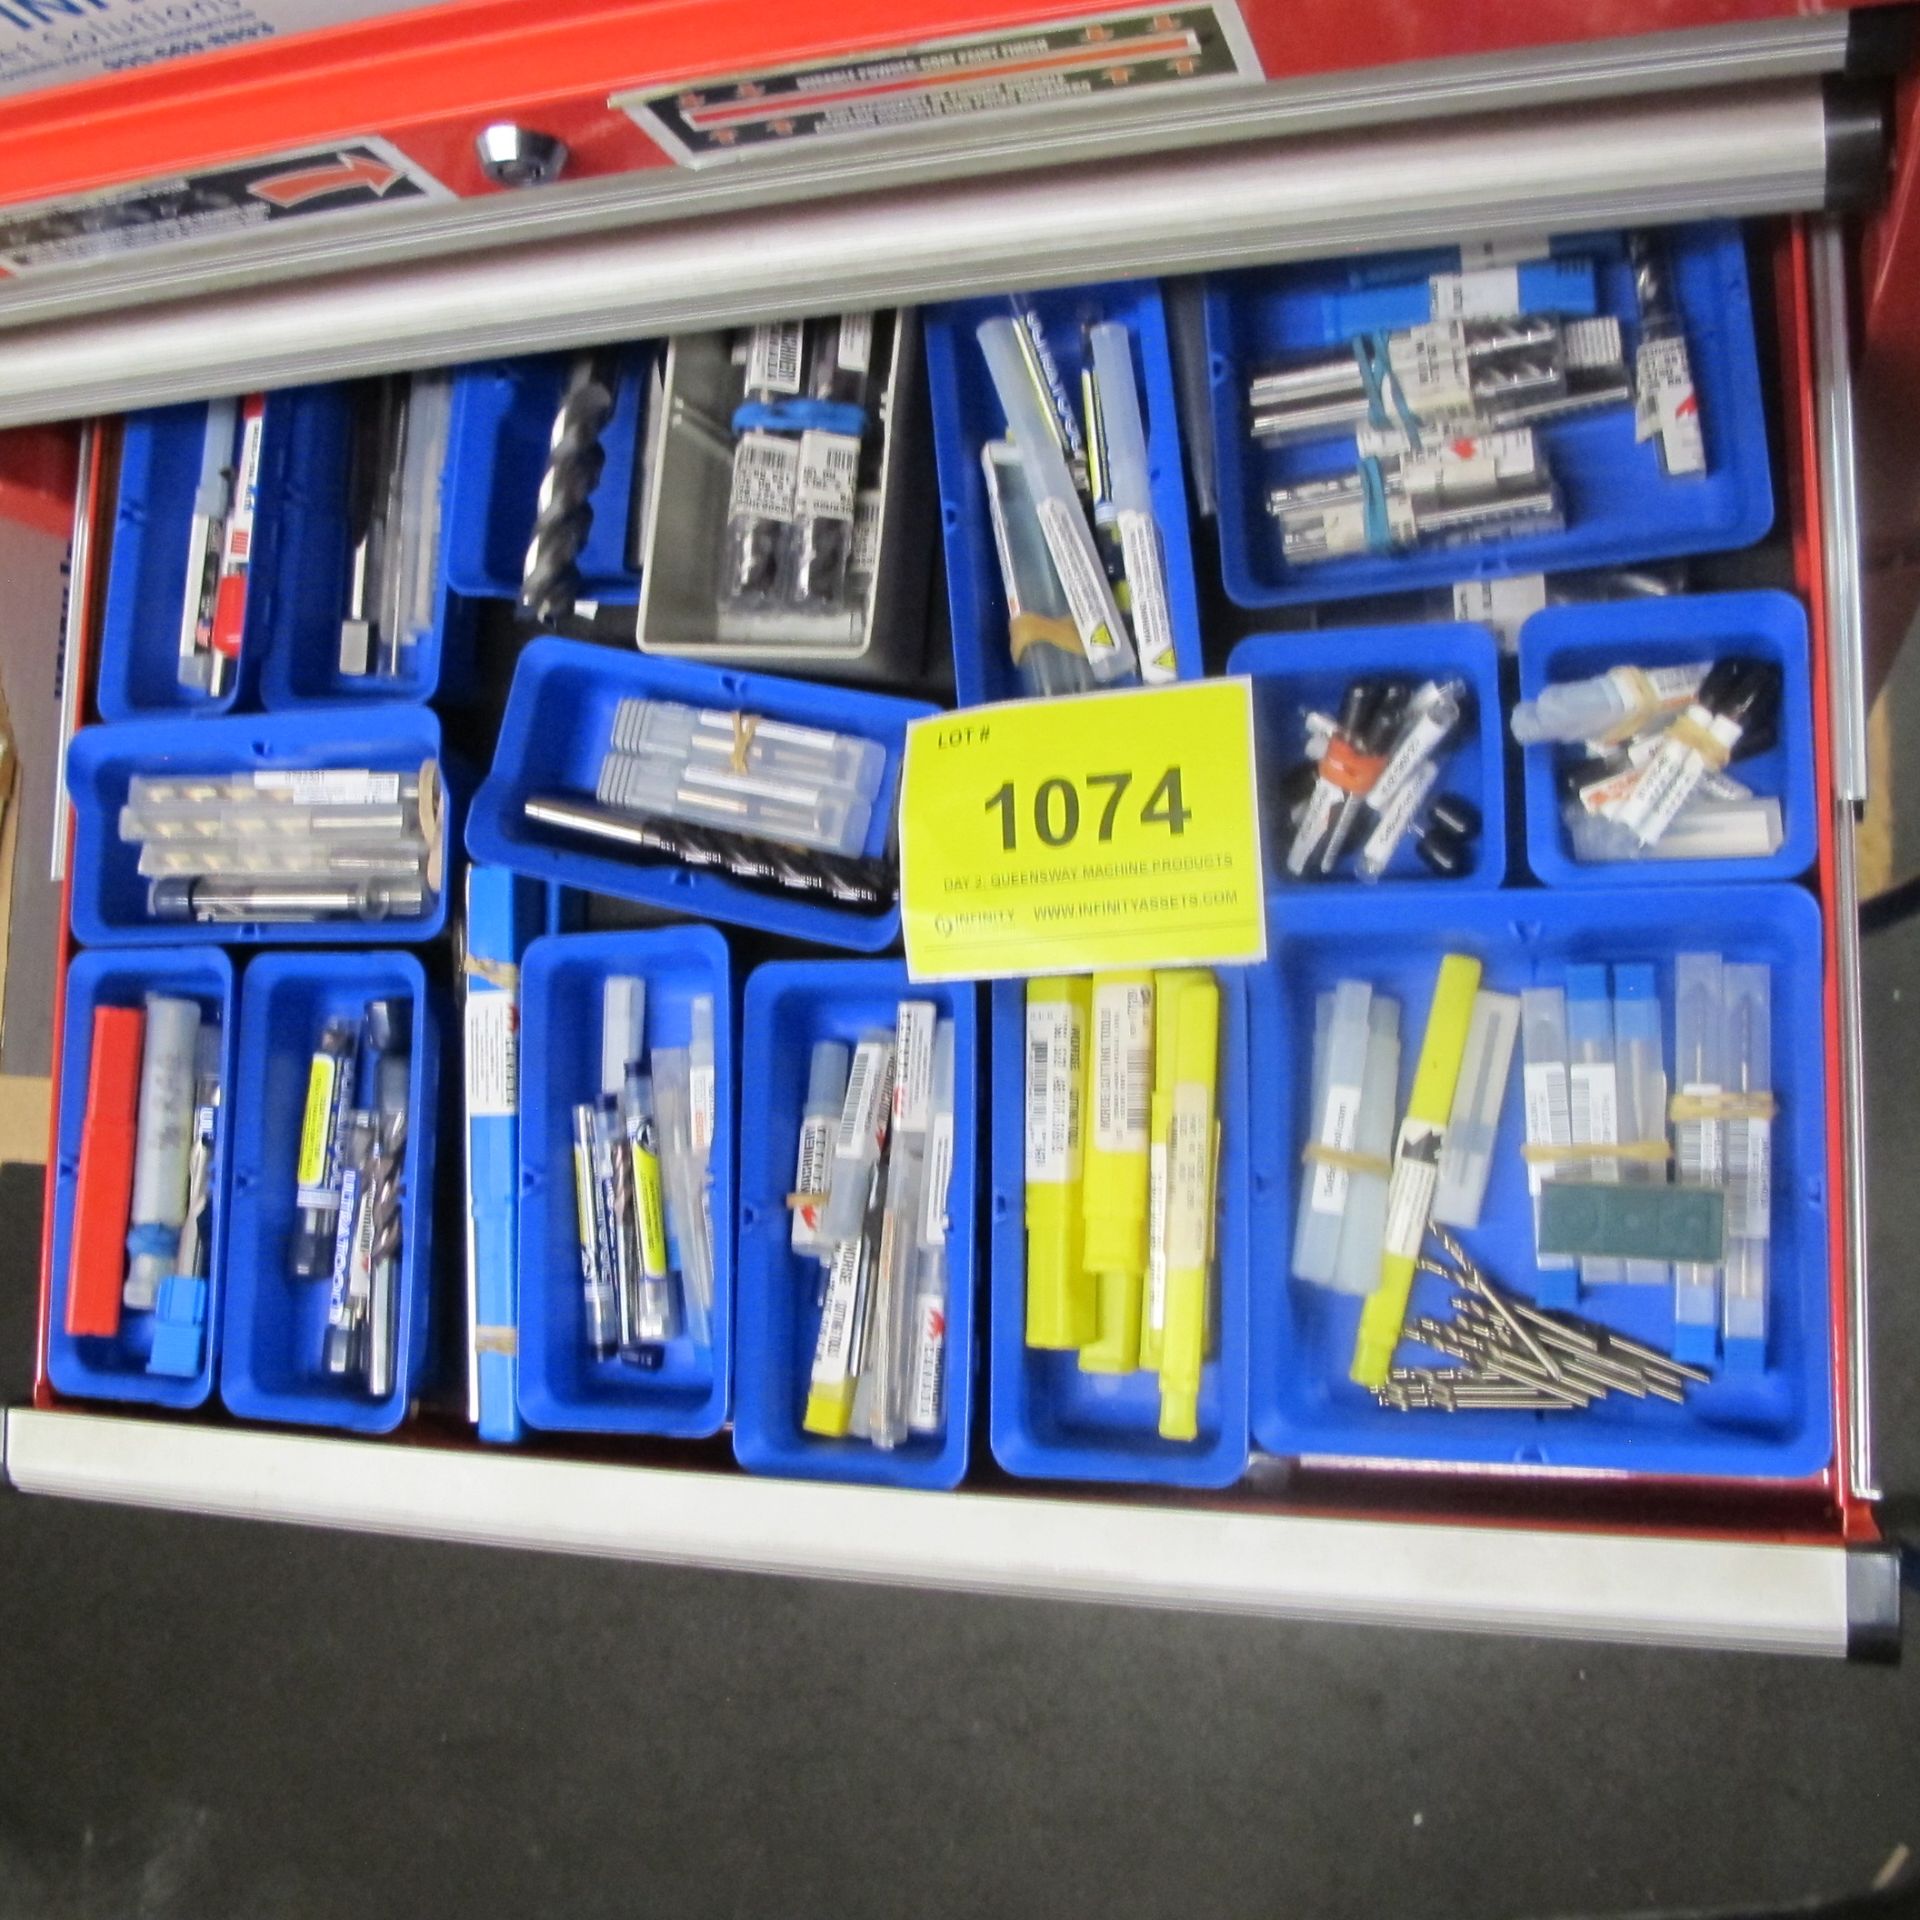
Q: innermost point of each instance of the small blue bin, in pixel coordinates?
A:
(160, 456)
(562, 1387)
(1771, 1423)
(1296, 672)
(503, 415)
(791, 1004)
(1048, 1420)
(967, 414)
(1619, 505)
(275, 1329)
(1571, 643)
(110, 897)
(558, 724)
(96, 1368)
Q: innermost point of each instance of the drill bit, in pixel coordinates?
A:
(844, 880)
(550, 581)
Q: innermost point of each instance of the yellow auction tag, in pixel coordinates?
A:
(1109, 830)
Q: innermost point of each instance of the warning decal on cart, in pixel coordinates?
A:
(344, 176)
(905, 89)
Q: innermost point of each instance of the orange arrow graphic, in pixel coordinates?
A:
(349, 170)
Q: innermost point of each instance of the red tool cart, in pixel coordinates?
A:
(268, 194)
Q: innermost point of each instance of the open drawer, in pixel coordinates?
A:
(1781, 1562)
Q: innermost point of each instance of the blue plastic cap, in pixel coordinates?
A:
(1746, 1356)
(1586, 983)
(179, 1327)
(1696, 1344)
(1634, 983)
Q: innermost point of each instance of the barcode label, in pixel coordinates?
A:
(811, 1167)
(1587, 344)
(913, 1065)
(1123, 1066)
(773, 356)
(929, 1356)
(1416, 1168)
(1156, 1300)
(1189, 1178)
(1484, 293)
(1700, 1150)
(864, 555)
(1549, 1119)
(1085, 585)
(1152, 622)
(329, 786)
(1666, 404)
(1595, 1092)
(1056, 1043)
(1750, 1179)
(833, 1353)
(869, 1093)
(828, 475)
(492, 1056)
(855, 349)
(1339, 1123)
(700, 1096)
(938, 1177)
(765, 466)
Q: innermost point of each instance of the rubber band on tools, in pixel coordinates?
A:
(1644, 703)
(1373, 506)
(745, 725)
(1722, 1106)
(1544, 1153)
(799, 416)
(496, 1340)
(496, 973)
(1346, 767)
(1370, 352)
(1690, 733)
(797, 1201)
(1315, 1154)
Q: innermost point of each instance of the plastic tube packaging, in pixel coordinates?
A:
(751, 743)
(1116, 1177)
(1357, 1270)
(1640, 1060)
(623, 1026)
(926, 1406)
(237, 900)
(689, 1231)
(1340, 1077)
(887, 1372)
(1549, 1117)
(813, 1163)
(1610, 705)
(860, 1137)
(1747, 991)
(1699, 1048)
(163, 1147)
(1466, 1155)
(794, 812)
(332, 787)
(1061, 1307)
(1703, 829)
(1593, 1090)
(330, 1088)
(1042, 639)
(410, 576)
(1132, 489)
(1189, 1204)
(397, 859)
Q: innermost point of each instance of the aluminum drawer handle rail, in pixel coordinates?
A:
(1840, 529)
(1760, 149)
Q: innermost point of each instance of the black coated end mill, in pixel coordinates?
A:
(550, 581)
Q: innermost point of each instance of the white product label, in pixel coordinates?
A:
(1594, 1087)
(1430, 364)
(1339, 1122)
(1587, 345)
(913, 1066)
(1156, 1301)
(1549, 1114)
(1482, 293)
(774, 355)
(700, 1100)
(863, 1113)
(833, 1353)
(329, 786)
(1189, 1178)
(1668, 783)
(1152, 619)
(828, 476)
(343, 1232)
(1698, 1146)
(1503, 605)
(864, 555)
(1415, 747)
(1499, 253)
(1391, 824)
(855, 349)
(1080, 577)
(1750, 1195)
(1056, 1043)
(811, 1169)
(765, 466)
(1343, 526)
(492, 1055)
(1666, 404)
(929, 1357)
(1416, 1168)
(938, 1177)
(1122, 1067)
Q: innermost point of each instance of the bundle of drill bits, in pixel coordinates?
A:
(275, 845)
(1508, 1355)
(350, 1187)
(772, 804)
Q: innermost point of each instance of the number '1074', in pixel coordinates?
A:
(1059, 811)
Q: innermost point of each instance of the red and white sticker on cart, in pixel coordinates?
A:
(343, 176)
(894, 91)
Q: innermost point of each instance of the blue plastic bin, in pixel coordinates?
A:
(1772, 1424)
(562, 1388)
(967, 414)
(503, 415)
(1620, 506)
(1049, 1420)
(1570, 643)
(92, 1367)
(275, 1328)
(790, 1004)
(110, 897)
(1295, 672)
(147, 573)
(558, 724)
